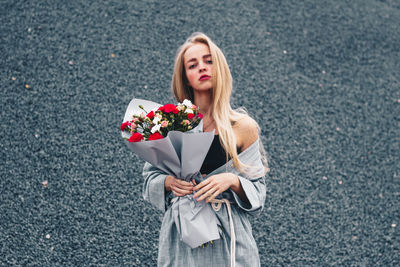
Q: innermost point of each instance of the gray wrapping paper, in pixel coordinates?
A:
(180, 155)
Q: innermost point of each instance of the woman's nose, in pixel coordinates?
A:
(202, 66)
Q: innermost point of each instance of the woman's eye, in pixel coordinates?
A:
(209, 61)
(192, 66)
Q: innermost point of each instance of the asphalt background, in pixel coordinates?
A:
(321, 77)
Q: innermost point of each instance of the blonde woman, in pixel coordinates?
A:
(233, 170)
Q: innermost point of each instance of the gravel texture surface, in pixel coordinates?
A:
(322, 78)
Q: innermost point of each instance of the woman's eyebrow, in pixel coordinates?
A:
(194, 59)
(191, 60)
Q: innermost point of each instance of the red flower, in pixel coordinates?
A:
(136, 137)
(150, 115)
(168, 108)
(190, 116)
(200, 115)
(155, 136)
(124, 125)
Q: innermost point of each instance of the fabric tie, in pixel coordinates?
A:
(216, 205)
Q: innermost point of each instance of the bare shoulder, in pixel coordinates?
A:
(246, 131)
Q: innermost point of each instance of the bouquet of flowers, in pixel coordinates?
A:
(157, 124)
(171, 138)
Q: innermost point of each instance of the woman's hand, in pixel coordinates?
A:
(215, 185)
(179, 187)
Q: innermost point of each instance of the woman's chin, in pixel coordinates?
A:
(202, 89)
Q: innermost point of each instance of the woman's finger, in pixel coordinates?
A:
(202, 190)
(202, 184)
(210, 193)
(213, 196)
(184, 187)
(182, 182)
(210, 190)
(182, 192)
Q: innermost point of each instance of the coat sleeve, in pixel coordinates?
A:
(252, 180)
(255, 191)
(153, 187)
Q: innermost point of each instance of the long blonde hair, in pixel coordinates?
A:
(222, 113)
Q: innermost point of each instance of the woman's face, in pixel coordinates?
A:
(198, 66)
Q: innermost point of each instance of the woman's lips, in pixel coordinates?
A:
(204, 77)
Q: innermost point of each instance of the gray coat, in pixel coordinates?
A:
(173, 252)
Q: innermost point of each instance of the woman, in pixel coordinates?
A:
(233, 171)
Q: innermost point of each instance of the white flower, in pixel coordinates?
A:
(157, 118)
(155, 128)
(187, 103)
(189, 110)
(180, 107)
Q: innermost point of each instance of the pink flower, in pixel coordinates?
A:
(164, 124)
(185, 122)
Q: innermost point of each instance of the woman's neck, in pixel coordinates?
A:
(202, 99)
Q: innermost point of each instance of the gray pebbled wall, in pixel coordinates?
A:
(322, 78)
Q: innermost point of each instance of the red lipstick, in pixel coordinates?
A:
(204, 77)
